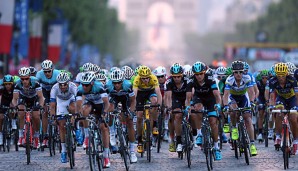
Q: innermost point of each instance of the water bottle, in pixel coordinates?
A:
(135, 123)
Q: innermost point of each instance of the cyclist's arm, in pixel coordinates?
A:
(225, 97)
(251, 93)
(135, 90)
(159, 98)
(15, 98)
(52, 108)
(216, 94)
(40, 97)
(272, 99)
(132, 103)
(256, 90)
(168, 95)
(188, 98)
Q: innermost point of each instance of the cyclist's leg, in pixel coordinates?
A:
(21, 115)
(113, 104)
(197, 118)
(177, 105)
(46, 95)
(171, 133)
(278, 119)
(86, 110)
(153, 114)
(140, 101)
(293, 119)
(36, 124)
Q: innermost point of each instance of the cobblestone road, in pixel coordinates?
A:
(268, 159)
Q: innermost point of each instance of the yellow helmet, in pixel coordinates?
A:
(144, 72)
(281, 69)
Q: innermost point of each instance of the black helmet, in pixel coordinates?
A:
(237, 65)
(33, 71)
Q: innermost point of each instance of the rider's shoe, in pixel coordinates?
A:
(63, 157)
(235, 135)
(253, 150)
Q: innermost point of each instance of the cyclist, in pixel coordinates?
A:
(206, 95)
(6, 94)
(187, 71)
(128, 72)
(285, 88)
(96, 99)
(63, 102)
(253, 80)
(85, 68)
(175, 94)
(101, 78)
(161, 74)
(146, 88)
(120, 91)
(291, 68)
(239, 93)
(33, 71)
(136, 71)
(28, 93)
(47, 78)
(262, 100)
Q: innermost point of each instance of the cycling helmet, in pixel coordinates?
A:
(199, 67)
(281, 69)
(128, 72)
(221, 71)
(33, 71)
(117, 76)
(87, 67)
(104, 71)
(8, 79)
(246, 66)
(160, 71)
(24, 71)
(210, 71)
(144, 72)
(113, 68)
(264, 72)
(47, 65)
(229, 71)
(187, 71)
(63, 77)
(237, 65)
(95, 68)
(100, 77)
(291, 67)
(137, 70)
(176, 69)
(87, 77)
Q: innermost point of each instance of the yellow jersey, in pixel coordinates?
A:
(152, 84)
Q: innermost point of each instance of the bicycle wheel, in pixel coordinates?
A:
(16, 137)
(8, 134)
(50, 138)
(266, 128)
(148, 140)
(235, 148)
(285, 147)
(69, 146)
(220, 130)
(188, 145)
(91, 152)
(28, 142)
(244, 143)
(160, 130)
(4, 131)
(122, 147)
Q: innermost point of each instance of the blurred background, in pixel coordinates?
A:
(152, 32)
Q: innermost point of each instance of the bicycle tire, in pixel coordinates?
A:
(4, 131)
(122, 148)
(8, 134)
(188, 146)
(54, 137)
(285, 147)
(160, 130)
(91, 152)
(235, 148)
(16, 136)
(244, 143)
(69, 146)
(220, 131)
(50, 139)
(210, 157)
(266, 128)
(28, 142)
(148, 140)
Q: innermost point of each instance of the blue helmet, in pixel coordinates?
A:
(246, 66)
(176, 68)
(7, 78)
(199, 67)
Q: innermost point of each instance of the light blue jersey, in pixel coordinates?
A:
(47, 83)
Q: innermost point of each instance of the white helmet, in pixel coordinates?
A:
(187, 71)
(87, 67)
(63, 77)
(104, 71)
(47, 65)
(128, 72)
(95, 68)
(210, 71)
(100, 77)
(291, 67)
(159, 71)
(221, 71)
(87, 77)
(24, 71)
(113, 68)
(117, 76)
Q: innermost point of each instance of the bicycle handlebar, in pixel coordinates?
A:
(284, 111)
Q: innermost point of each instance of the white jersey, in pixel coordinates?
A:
(56, 92)
(245, 83)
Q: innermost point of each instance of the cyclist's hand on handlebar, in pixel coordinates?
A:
(225, 108)
(217, 107)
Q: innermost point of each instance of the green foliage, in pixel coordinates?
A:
(92, 22)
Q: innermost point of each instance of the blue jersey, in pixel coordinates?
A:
(47, 83)
(95, 95)
(28, 92)
(253, 80)
(126, 89)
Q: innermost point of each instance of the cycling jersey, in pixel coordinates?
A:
(47, 83)
(287, 91)
(28, 92)
(245, 83)
(153, 83)
(162, 89)
(253, 80)
(222, 85)
(261, 88)
(6, 95)
(56, 92)
(296, 74)
(95, 95)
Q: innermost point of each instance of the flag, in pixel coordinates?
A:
(6, 25)
(35, 40)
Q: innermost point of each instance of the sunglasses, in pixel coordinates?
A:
(176, 76)
(238, 72)
(85, 85)
(25, 79)
(63, 84)
(10, 83)
(117, 82)
(200, 73)
(162, 76)
(147, 78)
(47, 71)
(264, 77)
(221, 76)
